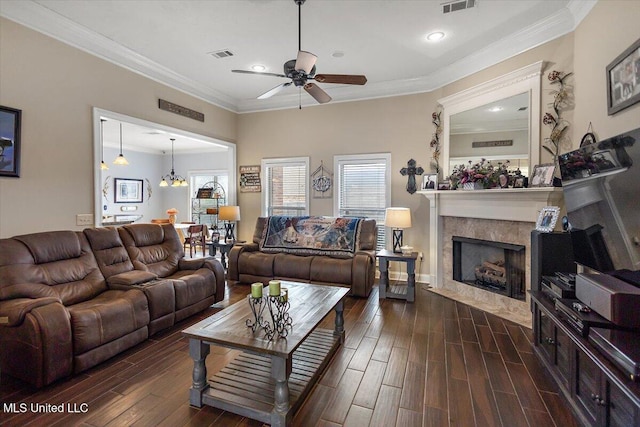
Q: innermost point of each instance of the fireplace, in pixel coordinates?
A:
(505, 215)
(492, 266)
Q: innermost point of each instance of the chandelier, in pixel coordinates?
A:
(171, 178)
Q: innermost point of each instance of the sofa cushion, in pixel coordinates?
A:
(108, 316)
(110, 253)
(256, 264)
(52, 246)
(62, 260)
(192, 288)
(331, 270)
(292, 266)
(152, 247)
(311, 235)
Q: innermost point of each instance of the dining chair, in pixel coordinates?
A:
(195, 237)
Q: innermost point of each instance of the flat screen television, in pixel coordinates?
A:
(601, 185)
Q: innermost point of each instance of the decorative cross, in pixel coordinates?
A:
(412, 171)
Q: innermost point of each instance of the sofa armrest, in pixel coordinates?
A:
(38, 348)
(363, 273)
(234, 254)
(210, 263)
(13, 311)
(130, 278)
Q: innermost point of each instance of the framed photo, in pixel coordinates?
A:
(623, 79)
(518, 182)
(10, 141)
(430, 181)
(128, 190)
(444, 186)
(547, 219)
(543, 175)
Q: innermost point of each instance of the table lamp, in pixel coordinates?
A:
(398, 219)
(229, 214)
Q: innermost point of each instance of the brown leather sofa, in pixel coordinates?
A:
(70, 300)
(247, 264)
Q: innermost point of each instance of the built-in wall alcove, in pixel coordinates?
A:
(148, 148)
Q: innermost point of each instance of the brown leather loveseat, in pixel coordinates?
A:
(250, 263)
(70, 300)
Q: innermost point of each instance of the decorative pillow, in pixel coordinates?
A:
(311, 235)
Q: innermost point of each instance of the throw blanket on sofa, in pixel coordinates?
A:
(311, 235)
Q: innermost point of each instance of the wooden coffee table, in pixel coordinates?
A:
(269, 380)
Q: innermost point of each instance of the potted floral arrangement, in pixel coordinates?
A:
(476, 176)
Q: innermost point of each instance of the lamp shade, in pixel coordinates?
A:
(229, 213)
(397, 218)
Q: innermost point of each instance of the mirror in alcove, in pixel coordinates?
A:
(147, 147)
(497, 131)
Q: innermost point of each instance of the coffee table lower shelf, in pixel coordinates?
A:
(245, 386)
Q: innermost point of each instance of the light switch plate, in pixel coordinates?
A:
(84, 219)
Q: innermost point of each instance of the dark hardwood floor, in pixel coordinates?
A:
(432, 363)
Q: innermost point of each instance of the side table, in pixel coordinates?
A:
(224, 249)
(384, 257)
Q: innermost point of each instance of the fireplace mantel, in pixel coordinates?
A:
(507, 204)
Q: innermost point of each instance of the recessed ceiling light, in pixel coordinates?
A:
(495, 109)
(259, 68)
(434, 37)
(337, 54)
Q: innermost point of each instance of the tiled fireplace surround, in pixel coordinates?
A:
(504, 215)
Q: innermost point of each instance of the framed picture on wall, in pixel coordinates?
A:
(10, 141)
(128, 190)
(623, 79)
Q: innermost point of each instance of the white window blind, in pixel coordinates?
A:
(286, 189)
(363, 188)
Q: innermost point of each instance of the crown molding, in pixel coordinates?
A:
(43, 20)
(39, 18)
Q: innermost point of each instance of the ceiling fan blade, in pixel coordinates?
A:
(320, 95)
(273, 91)
(258, 72)
(305, 61)
(347, 79)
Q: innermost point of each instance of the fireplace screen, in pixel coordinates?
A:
(493, 266)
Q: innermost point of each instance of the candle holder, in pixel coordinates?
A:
(257, 306)
(280, 318)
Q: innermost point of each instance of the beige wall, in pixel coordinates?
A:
(56, 87)
(610, 28)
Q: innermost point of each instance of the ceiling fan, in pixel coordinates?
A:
(302, 69)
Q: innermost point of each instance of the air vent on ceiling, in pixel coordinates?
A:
(454, 6)
(224, 53)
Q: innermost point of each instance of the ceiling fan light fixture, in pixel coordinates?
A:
(435, 36)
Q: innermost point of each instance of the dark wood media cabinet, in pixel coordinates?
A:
(599, 393)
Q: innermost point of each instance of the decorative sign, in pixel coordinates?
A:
(205, 193)
(177, 109)
(483, 144)
(250, 179)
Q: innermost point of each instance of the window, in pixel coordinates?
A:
(363, 188)
(286, 189)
